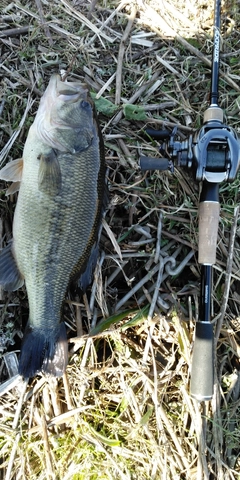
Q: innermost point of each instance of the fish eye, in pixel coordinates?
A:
(84, 104)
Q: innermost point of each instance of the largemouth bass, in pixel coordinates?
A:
(61, 181)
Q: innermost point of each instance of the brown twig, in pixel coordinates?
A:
(14, 32)
(18, 434)
(44, 23)
(47, 449)
(121, 55)
(228, 274)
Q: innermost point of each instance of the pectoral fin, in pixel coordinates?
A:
(49, 175)
(10, 277)
(12, 172)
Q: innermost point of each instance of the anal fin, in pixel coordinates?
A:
(10, 277)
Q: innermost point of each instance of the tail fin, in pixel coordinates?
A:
(44, 350)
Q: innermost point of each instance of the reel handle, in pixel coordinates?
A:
(150, 163)
(157, 134)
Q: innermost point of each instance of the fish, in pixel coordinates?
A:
(59, 209)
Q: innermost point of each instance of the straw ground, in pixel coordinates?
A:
(123, 409)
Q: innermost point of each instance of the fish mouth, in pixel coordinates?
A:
(66, 91)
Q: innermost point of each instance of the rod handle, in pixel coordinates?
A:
(201, 385)
(208, 232)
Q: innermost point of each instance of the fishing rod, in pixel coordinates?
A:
(212, 155)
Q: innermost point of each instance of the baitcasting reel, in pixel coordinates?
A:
(212, 154)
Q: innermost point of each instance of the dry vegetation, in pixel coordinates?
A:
(123, 411)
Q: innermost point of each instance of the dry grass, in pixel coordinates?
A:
(123, 410)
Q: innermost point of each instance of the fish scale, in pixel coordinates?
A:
(56, 220)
